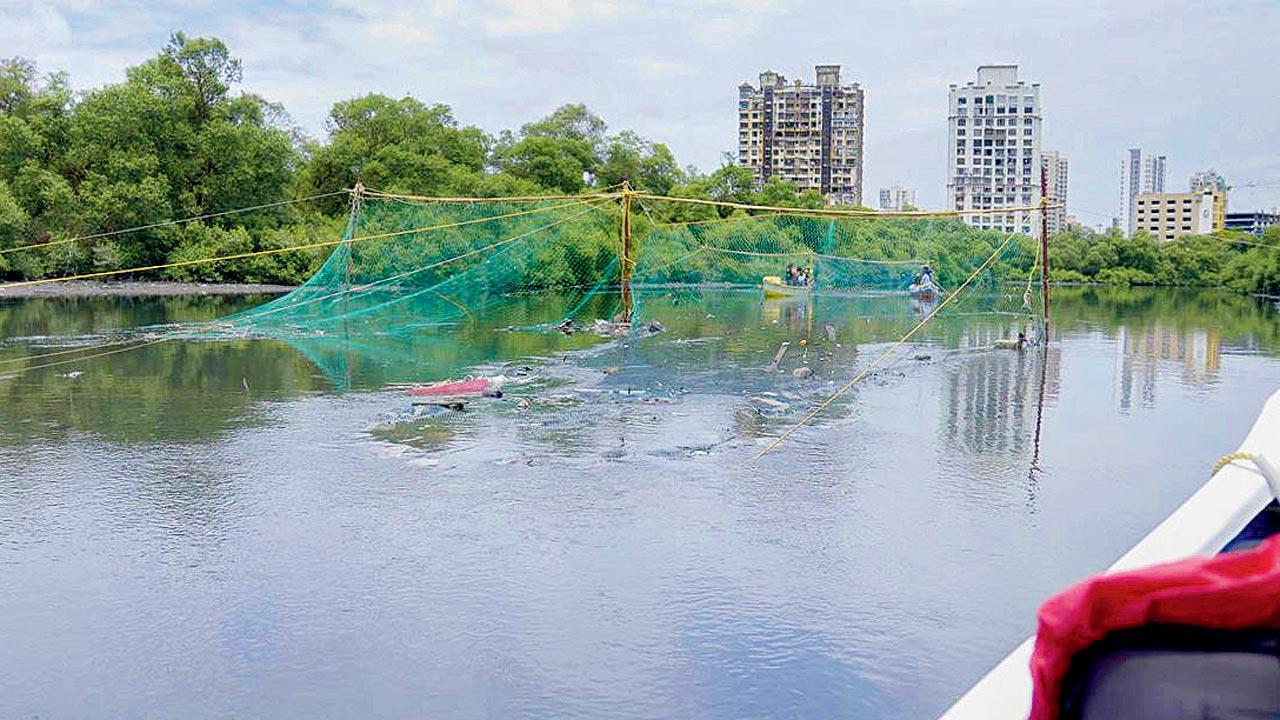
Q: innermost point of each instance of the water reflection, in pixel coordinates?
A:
(1141, 351)
(993, 397)
(213, 527)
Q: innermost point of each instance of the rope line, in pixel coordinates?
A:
(831, 212)
(514, 198)
(68, 351)
(153, 341)
(167, 223)
(892, 350)
(277, 251)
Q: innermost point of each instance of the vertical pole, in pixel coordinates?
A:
(357, 199)
(357, 203)
(1044, 245)
(626, 265)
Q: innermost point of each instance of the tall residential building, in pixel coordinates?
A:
(1139, 173)
(1168, 216)
(994, 149)
(897, 198)
(810, 135)
(1054, 165)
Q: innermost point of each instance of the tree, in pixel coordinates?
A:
(400, 145)
(649, 166)
(196, 71)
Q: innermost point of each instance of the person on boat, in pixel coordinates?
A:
(926, 277)
(790, 277)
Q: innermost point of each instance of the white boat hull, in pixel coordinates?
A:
(1203, 525)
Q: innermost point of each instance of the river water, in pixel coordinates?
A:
(257, 528)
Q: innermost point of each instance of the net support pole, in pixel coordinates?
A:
(357, 198)
(1044, 246)
(626, 263)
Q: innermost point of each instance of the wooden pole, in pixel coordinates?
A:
(627, 192)
(1044, 245)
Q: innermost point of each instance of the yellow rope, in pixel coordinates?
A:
(92, 357)
(277, 251)
(830, 212)
(1226, 460)
(893, 349)
(68, 351)
(167, 223)
(515, 198)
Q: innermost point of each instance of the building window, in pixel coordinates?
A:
(961, 100)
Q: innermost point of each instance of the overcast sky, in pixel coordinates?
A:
(1193, 80)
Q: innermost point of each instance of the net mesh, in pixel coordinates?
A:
(423, 284)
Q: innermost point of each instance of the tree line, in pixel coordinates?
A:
(177, 139)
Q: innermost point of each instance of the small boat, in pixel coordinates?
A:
(469, 386)
(924, 289)
(1234, 510)
(775, 287)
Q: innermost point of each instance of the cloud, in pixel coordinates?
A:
(657, 67)
(525, 17)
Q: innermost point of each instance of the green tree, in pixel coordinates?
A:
(396, 145)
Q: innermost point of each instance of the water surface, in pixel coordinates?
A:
(257, 528)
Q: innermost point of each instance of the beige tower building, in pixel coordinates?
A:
(809, 135)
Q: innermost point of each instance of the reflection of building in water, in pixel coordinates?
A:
(991, 398)
(1140, 352)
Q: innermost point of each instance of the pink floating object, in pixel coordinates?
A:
(477, 386)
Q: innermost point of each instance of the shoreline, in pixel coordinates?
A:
(90, 288)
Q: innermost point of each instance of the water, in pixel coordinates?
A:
(249, 528)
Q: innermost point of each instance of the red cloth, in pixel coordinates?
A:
(1232, 591)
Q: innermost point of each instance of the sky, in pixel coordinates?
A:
(1190, 80)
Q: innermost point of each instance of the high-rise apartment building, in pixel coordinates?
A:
(809, 135)
(1054, 165)
(994, 149)
(1140, 172)
(897, 198)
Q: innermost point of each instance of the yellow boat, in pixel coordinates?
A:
(774, 287)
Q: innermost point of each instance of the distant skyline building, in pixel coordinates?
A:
(897, 198)
(809, 135)
(1210, 180)
(1251, 222)
(1140, 172)
(993, 149)
(1054, 164)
